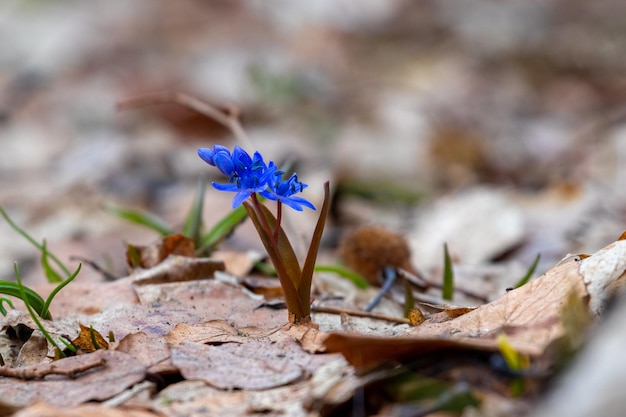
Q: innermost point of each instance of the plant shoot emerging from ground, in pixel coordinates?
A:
(250, 177)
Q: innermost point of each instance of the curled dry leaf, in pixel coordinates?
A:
(89, 340)
(603, 274)
(179, 268)
(149, 256)
(532, 316)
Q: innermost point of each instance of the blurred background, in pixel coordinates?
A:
(496, 126)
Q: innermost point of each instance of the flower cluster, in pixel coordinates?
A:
(249, 175)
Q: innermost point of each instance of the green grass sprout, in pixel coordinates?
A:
(68, 345)
(32, 313)
(59, 287)
(409, 298)
(193, 223)
(357, 279)
(223, 228)
(141, 218)
(340, 270)
(3, 300)
(39, 246)
(448, 275)
(529, 273)
(52, 276)
(92, 336)
(27, 295)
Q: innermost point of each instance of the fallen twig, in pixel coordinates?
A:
(43, 370)
(358, 313)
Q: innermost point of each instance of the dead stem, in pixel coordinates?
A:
(358, 313)
(41, 371)
(228, 118)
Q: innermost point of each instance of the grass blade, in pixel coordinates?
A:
(3, 300)
(52, 276)
(23, 296)
(141, 218)
(448, 275)
(60, 287)
(193, 223)
(346, 273)
(30, 297)
(33, 241)
(223, 228)
(529, 273)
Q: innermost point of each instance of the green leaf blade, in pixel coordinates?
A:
(223, 228)
(448, 275)
(529, 273)
(141, 218)
(193, 223)
(52, 276)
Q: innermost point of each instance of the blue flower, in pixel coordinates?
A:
(247, 175)
(283, 191)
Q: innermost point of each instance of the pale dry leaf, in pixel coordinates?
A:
(208, 300)
(187, 397)
(88, 297)
(150, 351)
(477, 225)
(603, 274)
(531, 317)
(253, 366)
(91, 410)
(34, 351)
(238, 264)
(177, 268)
(118, 373)
(214, 331)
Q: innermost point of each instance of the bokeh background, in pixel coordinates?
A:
(496, 126)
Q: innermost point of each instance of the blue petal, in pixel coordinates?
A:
(224, 163)
(241, 159)
(225, 187)
(269, 195)
(240, 197)
(299, 202)
(207, 155)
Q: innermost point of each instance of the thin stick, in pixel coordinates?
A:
(229, 118)
(359, 313)
(43, 370)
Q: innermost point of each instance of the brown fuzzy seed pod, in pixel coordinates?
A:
(369, 249)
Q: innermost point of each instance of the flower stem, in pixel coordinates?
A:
(257, 206)
(279, 215)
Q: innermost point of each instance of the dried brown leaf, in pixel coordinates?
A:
(179, 268)
(255, 365)
(91, 410)
(119, 372)
(86, 337)
(152, 352)
(149, 256)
